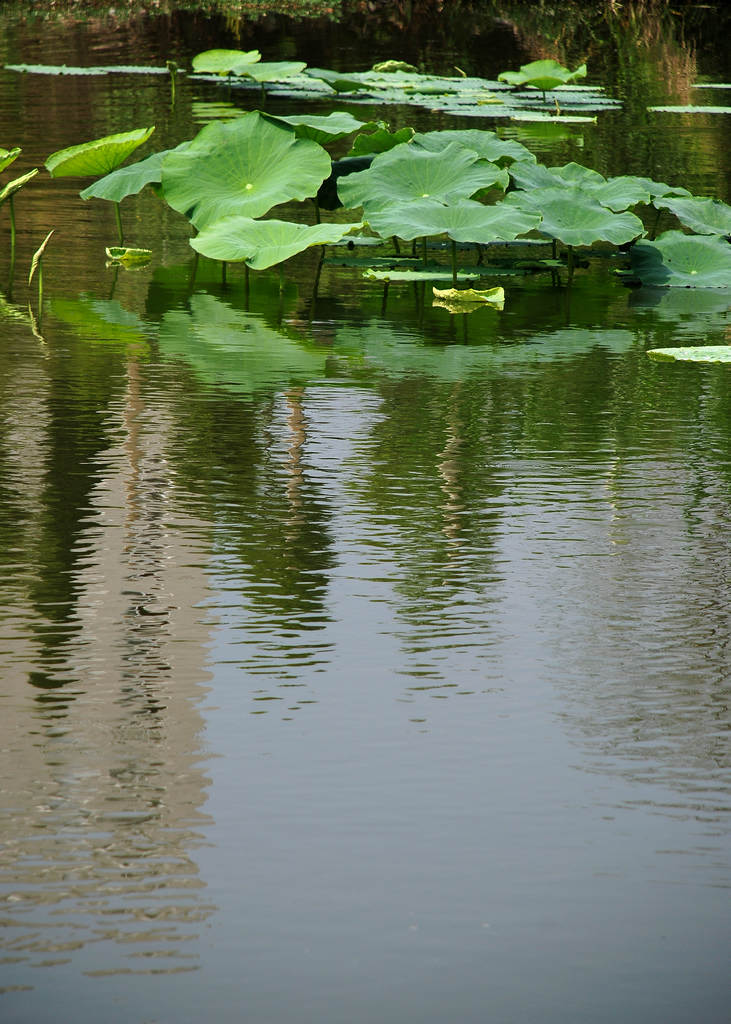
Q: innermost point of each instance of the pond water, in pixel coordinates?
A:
(359, 661)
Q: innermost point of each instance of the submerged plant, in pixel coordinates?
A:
(98, 158)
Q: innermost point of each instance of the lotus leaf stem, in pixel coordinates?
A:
(454, 264)
(423, 249)
(12, 226)
(570, 263)
(118, 214)
(223, 272)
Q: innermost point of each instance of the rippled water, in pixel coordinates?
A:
(358, 662)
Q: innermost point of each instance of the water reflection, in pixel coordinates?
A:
(104, 788)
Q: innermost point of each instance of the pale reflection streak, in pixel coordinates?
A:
(102, 783)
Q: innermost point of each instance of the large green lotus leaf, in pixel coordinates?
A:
(698, 354)
(487, 145)
(379, 141)
(575, 219)
(542, 74)
(8, 155)
(405, 173)
(338, 82)
(320, 128)
(704, 216)
(464, 221)
(127, 181)
(97, 157)
(677, 260)
(616, 193)
(263, 243)
(224, 62)
(244, 167)
(235, 350)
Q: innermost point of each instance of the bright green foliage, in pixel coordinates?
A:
(97, 157)
(677, 260)
(379, 141)
(542, 74)
(263, 243)
(323, 129)
(405, 174)
(576, 219)
(487, 145)
(242, 168)
(129, 257)
(273, 71)
(704, 216)
(461, 300)
(463, 221)
(225, 62)
(387, 67)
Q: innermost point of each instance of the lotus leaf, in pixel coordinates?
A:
(379, 141)
(97, 157)
(129, 257)
(704, 216)
(322, 129)
(127, 181)
(405, 174)
(107, 69)
(541, 116)
(17, 183)
(244, 167)
(263, 243)
(224, 62)
(487, 145)
(460, 300)
(272, 71)
(542, 74)
(8, 155)
(617, 193)
(336, 81)
(691, 110)
(575, 219)
(677, 260)
(699, 354)
(464, 221)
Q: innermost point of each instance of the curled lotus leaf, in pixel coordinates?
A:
(243, 167)
(462, 300)
(273, 71)
(616, 193)
(7, 156)
(704, 216)
(127, 256)
(263, 243)
(677, 260)
(379, 141)
(465, 221)
(388, 67)
(542, 74)
(224, 62)
(574, 218)
(97, 157)
(405, 174)
(322, 128)
(487, 145)
(17, 183)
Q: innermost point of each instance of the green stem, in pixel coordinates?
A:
(118, 214)
(570, 263)
(281, 279)
(454, 264)
(40, 288)
(654, 226)
(12, 227)
(223, 272)
(423, 250)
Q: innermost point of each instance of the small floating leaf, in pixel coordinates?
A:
(127, 256)
(699, 354)
(97, 157)
(691, 110)
(457, 299)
